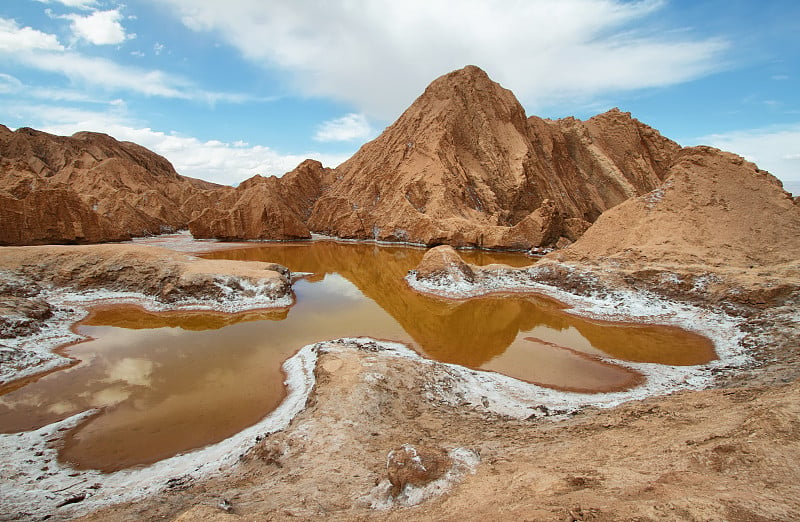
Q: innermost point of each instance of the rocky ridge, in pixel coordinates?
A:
(87, 188)
(464, 165)
(262, 208)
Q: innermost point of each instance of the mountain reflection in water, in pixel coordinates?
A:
(169, 382)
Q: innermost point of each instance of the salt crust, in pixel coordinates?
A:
(29, 492)
(509, 396)
(36, 351)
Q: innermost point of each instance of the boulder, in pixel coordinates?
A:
(443, 265)
(417, 466)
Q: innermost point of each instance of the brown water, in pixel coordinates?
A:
(170, 382)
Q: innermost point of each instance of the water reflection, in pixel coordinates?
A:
(169, 382)
(474, 332)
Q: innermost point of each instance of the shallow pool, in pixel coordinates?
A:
(165, 383)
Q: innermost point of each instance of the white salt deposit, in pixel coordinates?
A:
(35, 483)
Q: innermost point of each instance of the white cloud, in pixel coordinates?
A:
(212, 160)
(776, 149)
(380, 54)
(9, 84)
(36, 49)
(104, 73)
(15, 39)
(350, 127)
(43, 51)
(97, 72)
(99, 27)
(78, 4)
(12, 85)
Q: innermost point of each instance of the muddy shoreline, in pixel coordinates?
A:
(742, 341)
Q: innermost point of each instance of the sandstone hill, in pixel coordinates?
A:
(262, 208)
(713, 209)
(464, 165)
(87, 188)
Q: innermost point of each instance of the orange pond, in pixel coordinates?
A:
(170, 382)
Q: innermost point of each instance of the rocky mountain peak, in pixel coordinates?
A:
(466, 99)
(464, 165)
(252, 181)
(467, 80)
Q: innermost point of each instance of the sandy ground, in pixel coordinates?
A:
(728, 453)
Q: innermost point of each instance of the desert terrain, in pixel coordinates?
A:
(637, 229)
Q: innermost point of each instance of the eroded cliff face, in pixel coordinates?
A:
(465, 166)
(263, 208)
(53, 215)
(87, 188)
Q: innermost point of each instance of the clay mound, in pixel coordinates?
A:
(125, 189)
(463, 165)
(714, 208)
(262, 208)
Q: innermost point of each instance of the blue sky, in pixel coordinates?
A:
(227, 89)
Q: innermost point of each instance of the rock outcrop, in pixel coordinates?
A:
(442, 264)
(87, 188)
(263, 208)
(53, 215)
(166, 276)
(714, 209)
(417, 466)
(465, 166)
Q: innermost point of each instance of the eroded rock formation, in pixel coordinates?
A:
(465, 166)
(263, 208)
(87, 188)
(53, 215)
